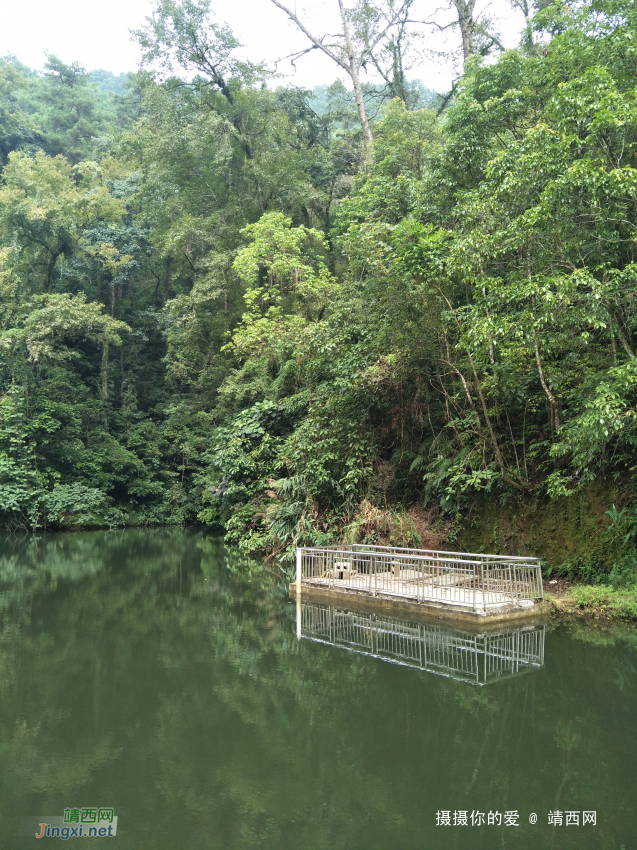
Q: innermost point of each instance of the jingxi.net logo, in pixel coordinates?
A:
(89, 822)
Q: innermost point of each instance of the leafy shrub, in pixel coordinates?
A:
(19, 491)
(76, 504)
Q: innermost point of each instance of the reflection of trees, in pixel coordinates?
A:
(139, 671)
(31, 767)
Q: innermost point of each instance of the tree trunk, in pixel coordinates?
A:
(105, 368)
(121, 373)
(167, 265)
(354, 72)
(362, 113)
(553, 405)
(467, 25)
(50, 270)
(505, 472)
(104, 378)
(615, 328)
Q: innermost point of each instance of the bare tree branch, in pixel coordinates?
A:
(367, 35)
(317, 42)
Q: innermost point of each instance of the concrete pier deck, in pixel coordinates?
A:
(459, 585)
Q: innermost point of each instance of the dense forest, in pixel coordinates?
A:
(308, 316)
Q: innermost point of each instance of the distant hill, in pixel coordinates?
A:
(108, 82)
(336, 97)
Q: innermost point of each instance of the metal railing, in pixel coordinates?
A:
(481, 583)
(475, 658)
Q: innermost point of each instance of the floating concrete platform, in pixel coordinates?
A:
(458, 585)
(401, 605)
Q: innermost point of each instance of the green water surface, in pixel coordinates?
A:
(148, 671)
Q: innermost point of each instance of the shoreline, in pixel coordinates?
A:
(564, 599)
(567, 599)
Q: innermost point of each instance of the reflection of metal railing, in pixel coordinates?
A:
(480, 583)
(475, 658)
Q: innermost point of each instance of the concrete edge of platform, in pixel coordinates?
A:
(428, 610)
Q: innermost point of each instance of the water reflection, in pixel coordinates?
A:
(468, 656)
(158, 673)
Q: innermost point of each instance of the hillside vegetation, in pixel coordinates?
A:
(217, 307)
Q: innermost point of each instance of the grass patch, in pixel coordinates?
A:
(600, 600)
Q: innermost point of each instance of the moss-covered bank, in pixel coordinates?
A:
(573, 538)
(568, 534)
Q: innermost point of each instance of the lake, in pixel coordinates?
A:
(152, 672)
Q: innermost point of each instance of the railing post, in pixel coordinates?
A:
(299, 556)
(486, 583)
